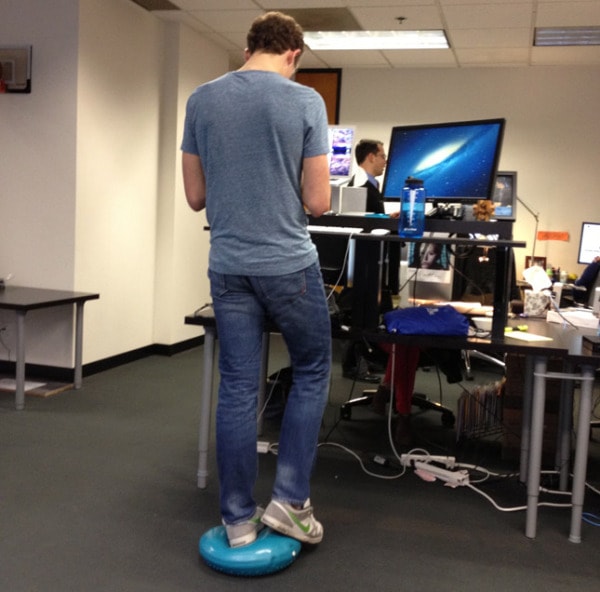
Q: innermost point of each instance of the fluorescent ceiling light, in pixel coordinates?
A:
(553, 36)
(362, 40)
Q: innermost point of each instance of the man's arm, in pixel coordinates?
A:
(316, 192)
(194, 181)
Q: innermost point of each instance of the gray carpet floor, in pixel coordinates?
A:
(98, 493)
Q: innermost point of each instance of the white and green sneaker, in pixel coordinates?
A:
(245, 532)
(298, 524)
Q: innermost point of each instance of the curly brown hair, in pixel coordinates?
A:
(275, 32)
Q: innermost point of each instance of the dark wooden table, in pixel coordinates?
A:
(21, 300)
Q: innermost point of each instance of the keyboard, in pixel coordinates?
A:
(334, 229)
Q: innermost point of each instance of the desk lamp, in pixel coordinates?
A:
(537, 220)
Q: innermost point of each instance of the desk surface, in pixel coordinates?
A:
(24, 298)
(565, 341)
(502, 228)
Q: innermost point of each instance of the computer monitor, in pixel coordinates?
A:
(589, 242)
(457, 161)
(341, 151)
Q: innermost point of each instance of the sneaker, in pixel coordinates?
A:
(245, 532)
(298, 524)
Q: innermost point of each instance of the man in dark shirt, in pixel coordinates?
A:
(370, 156)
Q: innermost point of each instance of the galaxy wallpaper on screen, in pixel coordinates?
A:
(454, 161)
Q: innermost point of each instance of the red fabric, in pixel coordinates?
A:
(406, 361)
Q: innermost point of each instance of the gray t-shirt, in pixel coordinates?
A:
(251, 130)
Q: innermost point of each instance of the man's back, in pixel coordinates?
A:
(254, 128)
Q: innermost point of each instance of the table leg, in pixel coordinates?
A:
(581, 451)
(565, 422)
(78, 344)
(501, 291)
(205, 405)
(526, 420)
(535, 453)
(20, 362)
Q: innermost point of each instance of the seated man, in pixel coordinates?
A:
(587, 281)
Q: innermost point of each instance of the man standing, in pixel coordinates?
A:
(255, 155)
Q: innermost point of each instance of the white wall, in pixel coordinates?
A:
(91, 196)
(552, 136)
(182, 247)
(119, 82)
(38, 169)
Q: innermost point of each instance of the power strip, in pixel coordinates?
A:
(406, 460)
(454, 478)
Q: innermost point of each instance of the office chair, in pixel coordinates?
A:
(419, 400)
(467, 354)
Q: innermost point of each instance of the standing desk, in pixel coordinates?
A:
(579, 365)
(21, 300)
(566, 344)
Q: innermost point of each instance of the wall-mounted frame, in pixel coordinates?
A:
(15, 69)
(505, 195)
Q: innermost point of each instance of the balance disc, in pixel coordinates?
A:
(270, 552)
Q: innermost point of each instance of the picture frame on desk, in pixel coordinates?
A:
(505, 196)
(531, 261)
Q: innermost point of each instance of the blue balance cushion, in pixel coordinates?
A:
(270, 552)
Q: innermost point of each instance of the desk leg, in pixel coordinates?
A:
(581, 451)
(78, 344)
(205, 405)
(501, 291)
(535, 453)
(20, 364)
(565, 421)
(526, 420)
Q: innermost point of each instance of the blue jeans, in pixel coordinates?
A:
(297, 305)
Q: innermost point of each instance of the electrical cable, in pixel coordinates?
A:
(341, 275)
(589, 518)
(362, 464)
(515, 508)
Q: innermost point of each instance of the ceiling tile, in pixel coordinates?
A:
(492, 16)
(528, 3)
(565, 56)
(475, 38)
(420, 58)
(215, 4)
(283, 5)
(227, 21)
(481, 32)
(355, 58)
(383, 19)
(568, 14)
(493, 57)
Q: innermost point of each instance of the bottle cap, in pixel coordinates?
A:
(413, 181)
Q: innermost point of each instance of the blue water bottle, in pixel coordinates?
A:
(412, 209)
